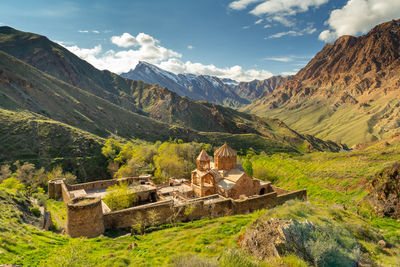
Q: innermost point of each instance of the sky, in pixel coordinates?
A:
(242, 40)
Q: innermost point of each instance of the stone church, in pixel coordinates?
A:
(223, 176)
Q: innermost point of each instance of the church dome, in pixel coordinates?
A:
(225, 151)
(203, 156)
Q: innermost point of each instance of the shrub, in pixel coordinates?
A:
(248, 167)
(35, 211)
(119, 197)
(12, 183)
(236, 258)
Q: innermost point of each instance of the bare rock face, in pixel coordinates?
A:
(275, 238)
(319, 245)
(350, 66)
(385, 191)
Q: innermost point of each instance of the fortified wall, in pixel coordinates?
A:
(89, 216)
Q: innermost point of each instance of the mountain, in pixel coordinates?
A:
(51, 81)
(347, 93)
(202, 87)
(259, 88)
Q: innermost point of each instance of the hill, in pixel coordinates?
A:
(347, 92)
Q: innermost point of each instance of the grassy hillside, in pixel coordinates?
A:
(31, 137)
(349, 124)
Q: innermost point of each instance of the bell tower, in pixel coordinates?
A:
(203, 161)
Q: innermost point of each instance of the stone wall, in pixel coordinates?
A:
(66, 196)
(104, 183)
(167, 212)
(301, 194)
(85, 217)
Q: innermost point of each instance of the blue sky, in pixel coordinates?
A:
(243, 39)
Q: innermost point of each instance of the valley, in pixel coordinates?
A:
(169, 162)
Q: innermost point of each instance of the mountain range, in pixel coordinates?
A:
(349, 92)
(43, 84)
(212, 89)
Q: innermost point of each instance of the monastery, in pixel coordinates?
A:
(216, 188)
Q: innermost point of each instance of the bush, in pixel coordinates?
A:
(119, 197)
(35, 211)
(236, 258)
(12, 183)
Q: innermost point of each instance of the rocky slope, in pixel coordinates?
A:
(257, 89)
(348, 92)
(201, 87)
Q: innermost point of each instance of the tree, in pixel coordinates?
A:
(248, 167)
(111, 149)
(119, 197)
(5, 172)
(57, 172)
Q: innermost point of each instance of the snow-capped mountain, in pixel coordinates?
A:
(201, 87)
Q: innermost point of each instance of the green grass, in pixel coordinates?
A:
(349, 124)
(329, 177)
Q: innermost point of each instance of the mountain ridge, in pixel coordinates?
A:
(197, 87)
(347, 92)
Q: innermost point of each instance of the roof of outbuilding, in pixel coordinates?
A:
(203, 156)
(225, 151)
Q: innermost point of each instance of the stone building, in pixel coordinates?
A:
(223, 177)
(216, 189)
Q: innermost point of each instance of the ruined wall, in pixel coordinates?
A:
(85, 217)
(54, 188)
(279, 190)
(104, 183)
(126, 217)
(301, 194)
(254, 203)
(66, 196)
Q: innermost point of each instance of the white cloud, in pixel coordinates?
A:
(84, 53)
(287, 73)
(308, 30)
(266, 26)
(242, 4)
(95, 31)
(284, 21)
(125, 40)
(245, 27)
(258, 21)
(149, 49)
(190, 47)
(359, 16)
(83, 31)
(278, 10)
(288, 7)
(281, 34)
(279, 59)
(235, 72)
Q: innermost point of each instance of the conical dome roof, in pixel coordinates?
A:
(203, 156)
(225, 151)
